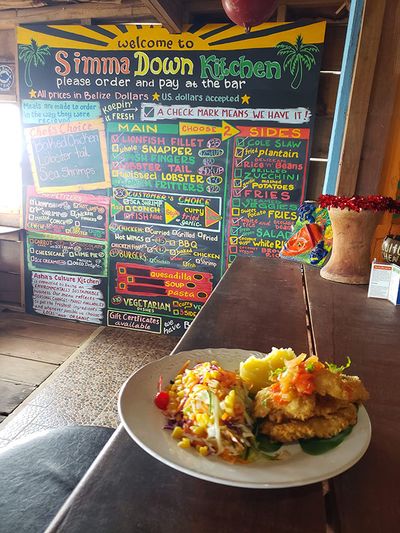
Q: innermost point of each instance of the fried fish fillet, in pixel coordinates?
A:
(340, 386)
(308, 400)
(300, 408)
(317, 426)
(325, 406)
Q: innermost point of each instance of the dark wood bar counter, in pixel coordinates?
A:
(259, 304)
(347, 323)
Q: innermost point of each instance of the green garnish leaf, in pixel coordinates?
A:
(246, 454)
(338, 369)
(264, 444)
(265, 455)
(317, 446)
(310, 367)
(274, 374)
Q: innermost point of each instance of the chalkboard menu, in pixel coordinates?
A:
(154, 160)
(76, 215)
(69, 156)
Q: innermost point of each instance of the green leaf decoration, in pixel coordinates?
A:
(32, 54)
(296, 56)
(319, 446)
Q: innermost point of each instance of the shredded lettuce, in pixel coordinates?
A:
(217, 428)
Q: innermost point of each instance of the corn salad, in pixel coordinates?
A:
(208, 409)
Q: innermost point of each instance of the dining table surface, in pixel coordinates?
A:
(260, 303)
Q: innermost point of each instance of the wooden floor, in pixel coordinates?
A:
(31, 348)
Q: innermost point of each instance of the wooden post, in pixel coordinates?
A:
(391, 182)
(281, 13)
(344, 91)
(363, 77)
(168, 12)
(10, 18)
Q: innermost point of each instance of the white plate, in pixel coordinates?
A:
(144, 423)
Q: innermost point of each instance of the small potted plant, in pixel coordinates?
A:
(354, 220)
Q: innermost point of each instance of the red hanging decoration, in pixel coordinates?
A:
(249, 13)
(358, 203)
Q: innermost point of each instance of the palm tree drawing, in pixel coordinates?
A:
(297, 55)
(32, 54)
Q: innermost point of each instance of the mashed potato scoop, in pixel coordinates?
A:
(256, 372)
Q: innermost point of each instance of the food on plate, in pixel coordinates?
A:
(209, 410)
(308, 399)
(322, 427)
(256, 372)
(277, 399)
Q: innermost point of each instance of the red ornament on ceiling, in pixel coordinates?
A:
(249, 13)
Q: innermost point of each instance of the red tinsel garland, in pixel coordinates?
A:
(358, 203)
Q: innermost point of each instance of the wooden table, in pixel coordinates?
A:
(259, 304)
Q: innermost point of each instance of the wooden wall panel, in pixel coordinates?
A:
(391, 182)
(7, 45)
(322, 134)
(316, 179)
(381, 107)
(10, 219)
(327, 93)
(334, 45)
(7, 57)
(10, 256)
(11, 272)
(10, 288)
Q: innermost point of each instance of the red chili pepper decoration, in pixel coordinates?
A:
(162, 397)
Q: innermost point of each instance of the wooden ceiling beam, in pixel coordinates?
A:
(168, 12)
(10, 18)
(215, 6)
(25, 4)
(312, 3)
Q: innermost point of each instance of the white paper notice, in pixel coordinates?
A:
(65, 296)
(379, 281)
